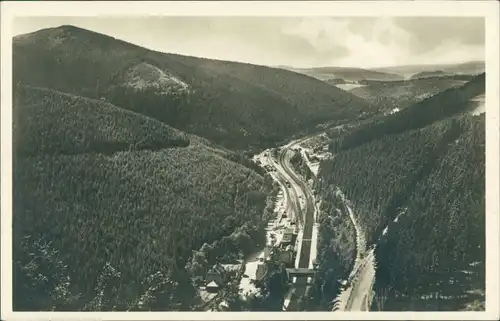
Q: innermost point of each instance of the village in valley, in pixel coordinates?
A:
(283, 239)
(281, 235)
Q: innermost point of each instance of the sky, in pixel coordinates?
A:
(300, 42)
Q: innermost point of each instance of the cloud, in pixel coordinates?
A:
(381, 43)
(451, 51)
(430, 32)
(385, 41)
(295, 41)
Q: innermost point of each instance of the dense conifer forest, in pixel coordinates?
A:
(421, 174)
(109, 204)
(436, 249)
(445, 104)
(388, 95)
(336, 252)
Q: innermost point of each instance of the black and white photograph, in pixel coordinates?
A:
(237, 162)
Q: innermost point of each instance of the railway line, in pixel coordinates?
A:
(295, 187)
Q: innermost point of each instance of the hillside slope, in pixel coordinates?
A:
(443, 227)
(452, 101)
(389, 95)
(428, 190)
(109, 205)
(234, 104)
(53, 123)
(416, 181)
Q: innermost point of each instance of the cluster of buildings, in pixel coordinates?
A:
(286, 247)
(216, 277)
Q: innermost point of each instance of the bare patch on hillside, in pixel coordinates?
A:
(480, 108)
(348, 87)
(146, 76)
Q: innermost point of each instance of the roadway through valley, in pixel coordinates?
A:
(304, 216)
(356, 297)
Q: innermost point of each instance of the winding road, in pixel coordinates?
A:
(357, 296)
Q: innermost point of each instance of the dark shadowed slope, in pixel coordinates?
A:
(421, 174)
(55, 123)
(109, 205)
(237, 105)
(427, 186)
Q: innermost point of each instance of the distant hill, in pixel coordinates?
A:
(467, 68)
(452, 101)
(331, 74)
(109, 205)
(428, 74)
(234, 104)
(389, 95)
(335, 81)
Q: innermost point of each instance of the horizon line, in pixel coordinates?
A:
(284, 66)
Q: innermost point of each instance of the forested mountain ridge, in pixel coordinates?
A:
(421, 174)
(427, 74)
(109, 205)
(237, 105)
(390, 95)
(450, 102)
(443, 227)
(47, 121)
(346, 73)
(465, 68)
(89, 125)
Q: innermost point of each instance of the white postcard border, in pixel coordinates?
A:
(487, 9)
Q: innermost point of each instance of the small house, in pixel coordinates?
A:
(212, 287)
(286, 256)
(216, 274)
(314, 159)
(288, 237)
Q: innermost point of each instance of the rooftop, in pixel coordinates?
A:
(286, 238)
(212, 284)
